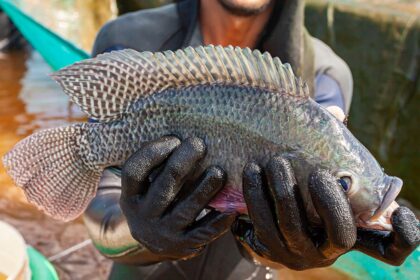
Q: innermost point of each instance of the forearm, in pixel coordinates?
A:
(108, 227)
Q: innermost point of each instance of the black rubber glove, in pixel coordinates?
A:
(160, 213)
(391, 247)
(278, 233)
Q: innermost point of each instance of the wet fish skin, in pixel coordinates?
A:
(238, 124)
(244, 105)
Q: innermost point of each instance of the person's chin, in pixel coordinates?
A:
(245, 7)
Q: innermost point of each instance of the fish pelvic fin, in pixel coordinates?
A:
(54, 175)
(106, 86)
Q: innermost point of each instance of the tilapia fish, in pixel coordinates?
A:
(244, 104)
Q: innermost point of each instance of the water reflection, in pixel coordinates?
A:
(12, 67)
(29, 100)
(44, 99)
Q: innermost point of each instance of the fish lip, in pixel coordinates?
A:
(392, 193)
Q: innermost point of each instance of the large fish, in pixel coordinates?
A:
(244, 104)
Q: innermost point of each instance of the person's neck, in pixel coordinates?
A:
(220, 27)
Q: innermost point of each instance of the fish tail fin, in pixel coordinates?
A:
(52, 171)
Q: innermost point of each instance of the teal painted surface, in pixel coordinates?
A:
(41, 268)
(361, 266)
(56, 51)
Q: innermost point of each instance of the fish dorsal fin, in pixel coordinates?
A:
(105, 86)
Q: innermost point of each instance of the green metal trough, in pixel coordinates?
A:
(58, 52)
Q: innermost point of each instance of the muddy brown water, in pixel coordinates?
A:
(30, 100)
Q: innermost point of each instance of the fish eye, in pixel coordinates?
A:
(345, 182)
(348, 181)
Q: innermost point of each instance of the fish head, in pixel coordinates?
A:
(372, 202)
(370, 190)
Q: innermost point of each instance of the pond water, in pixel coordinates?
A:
(30, 100)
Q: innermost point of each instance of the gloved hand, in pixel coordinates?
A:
(279, 233)
(391, 247)
(161, 210)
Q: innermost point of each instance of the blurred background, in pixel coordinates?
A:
(379, 39)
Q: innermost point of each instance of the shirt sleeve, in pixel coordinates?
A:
(328, 92)
(333, 78)
(104, 41)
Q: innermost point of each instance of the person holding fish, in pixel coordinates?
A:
(170, 212)
(276, 27)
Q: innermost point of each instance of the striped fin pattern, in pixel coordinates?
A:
(105, 86)
(51, 171)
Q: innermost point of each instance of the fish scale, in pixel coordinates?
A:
(244, 105)
(237, 123)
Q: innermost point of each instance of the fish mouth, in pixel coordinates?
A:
(390, 196)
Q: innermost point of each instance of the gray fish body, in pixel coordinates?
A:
(245, 106)
(238, 124)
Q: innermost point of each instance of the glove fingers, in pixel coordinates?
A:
(258, 206)
(210, 227)
(291, 220)
(405, 238)
(204, 231)
(209, 184)
(137, 168)
(245, 233)
(391, 247)
(406, 228)
(332, 206)
(180, 164)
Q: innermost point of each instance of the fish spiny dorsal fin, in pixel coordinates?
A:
(105, 86)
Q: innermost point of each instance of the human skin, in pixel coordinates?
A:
(220, 26)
